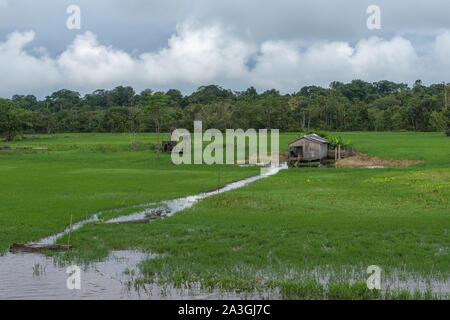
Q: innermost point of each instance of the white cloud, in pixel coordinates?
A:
(21, 71)
(440, 56)
(394, 60)
(86, 64)
(197, 56)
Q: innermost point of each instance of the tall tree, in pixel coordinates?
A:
(156, 106)
(11, 125)
(122, 96)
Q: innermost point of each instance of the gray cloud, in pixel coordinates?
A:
(185, 44)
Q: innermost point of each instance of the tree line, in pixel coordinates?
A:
(354, 106)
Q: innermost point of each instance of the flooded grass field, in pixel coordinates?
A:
(113, 278)
(298, 234)
(39, 277)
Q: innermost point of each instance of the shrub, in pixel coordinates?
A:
(337, 140)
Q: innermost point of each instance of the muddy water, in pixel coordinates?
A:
(35, 276)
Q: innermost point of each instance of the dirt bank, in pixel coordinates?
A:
(362, 160)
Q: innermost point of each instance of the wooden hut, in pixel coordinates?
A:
(308, 148)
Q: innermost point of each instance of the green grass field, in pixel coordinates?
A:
(288, 231)
(86, 172)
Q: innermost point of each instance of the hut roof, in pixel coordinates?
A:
(312, 137)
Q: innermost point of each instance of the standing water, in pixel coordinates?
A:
(36, 276)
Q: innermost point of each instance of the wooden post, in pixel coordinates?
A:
(335, 156)
(70, 231)
(339, 151)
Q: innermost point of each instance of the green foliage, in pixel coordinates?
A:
(354, 106)
(12, 120)
(335, 141)
(443, 121)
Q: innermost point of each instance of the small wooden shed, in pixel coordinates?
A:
(308, 148)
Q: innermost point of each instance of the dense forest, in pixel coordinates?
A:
(354, 106)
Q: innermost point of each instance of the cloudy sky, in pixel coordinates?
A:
(283, 44)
